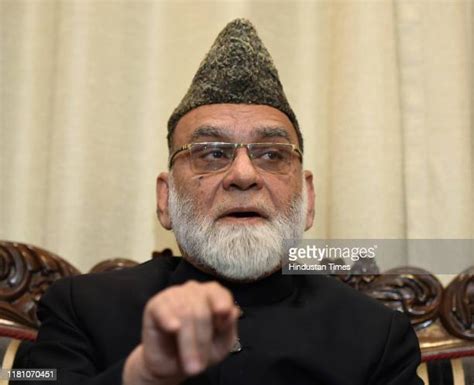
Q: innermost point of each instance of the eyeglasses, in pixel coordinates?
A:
(207, 157)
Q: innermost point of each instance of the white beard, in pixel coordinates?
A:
(236, 252)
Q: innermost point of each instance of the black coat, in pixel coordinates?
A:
(295, 330)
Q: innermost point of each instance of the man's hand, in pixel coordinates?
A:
(186, 329)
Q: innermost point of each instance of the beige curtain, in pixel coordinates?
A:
(383, 91)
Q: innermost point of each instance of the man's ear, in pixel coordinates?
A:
(162, 193)
(310, 194)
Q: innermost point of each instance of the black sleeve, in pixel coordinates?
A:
(401, 355)
(63, 345)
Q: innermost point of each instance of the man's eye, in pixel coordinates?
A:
(213, 154)
(217, 154)
(273, 155)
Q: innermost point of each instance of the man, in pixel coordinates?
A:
(224, 313)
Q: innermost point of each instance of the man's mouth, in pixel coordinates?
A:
(243, 214)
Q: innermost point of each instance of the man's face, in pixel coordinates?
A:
(242, 197)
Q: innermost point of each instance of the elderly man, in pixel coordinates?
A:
(224, 313)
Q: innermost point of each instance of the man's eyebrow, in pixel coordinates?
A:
(209, 131)
(273, 132)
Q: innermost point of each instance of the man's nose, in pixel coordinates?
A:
(242, 173)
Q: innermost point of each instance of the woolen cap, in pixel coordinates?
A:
(237, 69)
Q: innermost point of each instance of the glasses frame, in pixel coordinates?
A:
(188, 147)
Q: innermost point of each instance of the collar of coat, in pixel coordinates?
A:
(274, 288)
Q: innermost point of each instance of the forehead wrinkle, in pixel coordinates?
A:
(227, 134)
(210, 131)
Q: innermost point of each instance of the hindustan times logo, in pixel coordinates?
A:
(319, 253)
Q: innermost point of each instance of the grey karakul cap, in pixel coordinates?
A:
(237, 69)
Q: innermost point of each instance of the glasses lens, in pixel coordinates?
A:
(272, 157)
(209, 157)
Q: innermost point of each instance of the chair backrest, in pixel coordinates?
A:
(27, 271)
